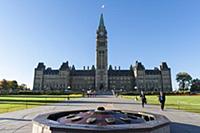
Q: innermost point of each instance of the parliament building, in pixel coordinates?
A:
(101, 77)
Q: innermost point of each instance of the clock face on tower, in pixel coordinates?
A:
(101, 33)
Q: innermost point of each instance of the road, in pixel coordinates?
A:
(21, 121)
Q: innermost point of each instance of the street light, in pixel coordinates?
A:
(136, 88)
(68, 89)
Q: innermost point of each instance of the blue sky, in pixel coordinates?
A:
(54, 31)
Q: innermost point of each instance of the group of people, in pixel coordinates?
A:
(161, 99)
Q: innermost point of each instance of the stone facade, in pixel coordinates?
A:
(153, 80)
(100, 77)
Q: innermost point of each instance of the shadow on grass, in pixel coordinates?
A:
(188, 108)
(184, 128)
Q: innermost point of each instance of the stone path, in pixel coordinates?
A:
(21, 121)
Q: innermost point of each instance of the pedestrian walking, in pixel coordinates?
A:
(162, 100)
(143, 98)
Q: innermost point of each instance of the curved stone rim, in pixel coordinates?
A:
(44, 121)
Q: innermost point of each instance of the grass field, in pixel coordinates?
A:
(187, 103)
(18, 102)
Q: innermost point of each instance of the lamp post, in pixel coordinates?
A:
(136, 88)
(68, 88)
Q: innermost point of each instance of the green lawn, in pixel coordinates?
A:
(187, 103)
(17, 102)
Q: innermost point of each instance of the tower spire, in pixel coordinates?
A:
(101, 22)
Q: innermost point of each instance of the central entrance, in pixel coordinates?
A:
(101, 87)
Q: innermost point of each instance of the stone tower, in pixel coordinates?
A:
(39, 77)
(101, 76)
(166, 77)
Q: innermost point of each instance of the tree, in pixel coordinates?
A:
(195, 87)
(22, 87)
(12, 84)
(4, 84)
(184, 80)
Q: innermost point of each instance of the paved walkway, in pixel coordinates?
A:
(21, 121)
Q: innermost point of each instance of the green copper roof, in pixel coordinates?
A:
(101, 23)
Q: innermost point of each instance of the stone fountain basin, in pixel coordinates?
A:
(47, 123)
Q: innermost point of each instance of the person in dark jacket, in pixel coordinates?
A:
(162, 100)
(143, 98)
